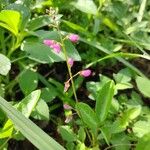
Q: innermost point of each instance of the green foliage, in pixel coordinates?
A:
(109, 109)
(10, 20)
(41, 111)
(144, 142)
(104, 99)
(28, 81)
(5, 65)
(30, 130)
(143, 85)
(67, 134)
(88, 115)
(86, 6)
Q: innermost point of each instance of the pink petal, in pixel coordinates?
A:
(56, 47)
(48, 42)
(85, 73)
(73, 38)
(67, 107)
(71, 62)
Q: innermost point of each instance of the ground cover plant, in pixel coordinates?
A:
(74, 74)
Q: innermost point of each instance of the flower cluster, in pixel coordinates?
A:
(53, 44)
(74, 38)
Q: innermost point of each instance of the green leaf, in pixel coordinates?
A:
(144, 143)
(27, 105)
(122, 122)
(81, 134)
(123, 76)
(141, 127)
(5, 65)
(53, 35)
(97, 45)
(48, 94)
(9, 19)
(41, 53)
(67, 133)
(23, 10)
(77, 27)
(30, 130)
(104, 100)
(38, 22)
(41, 111)
(71, 51)
(44, 54)
(123, 86)
(143, 85)
(7, 129)
(28, 81)
(88, 115)
(121, 140)
(87, 6)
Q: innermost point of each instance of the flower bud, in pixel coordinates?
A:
(85, 73)
(48, 42)
(56, 47)
(67, 107)
(73, 38)
(70, 61)
(66, 87)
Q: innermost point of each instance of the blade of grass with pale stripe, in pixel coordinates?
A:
(29, 129)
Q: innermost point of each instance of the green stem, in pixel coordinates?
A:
(116, 55)
(2, 41)
(69, 69)
(109, 147)
(15, 44)
(1, 147)
(20, 58)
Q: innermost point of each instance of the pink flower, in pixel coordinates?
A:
(53, 44)
(73, 38)
(48, 42)
(56, 47)
(71, 62)
(85, 73)
(67, 107)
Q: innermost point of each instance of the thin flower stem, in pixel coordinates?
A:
(2, 146)
(69, 69)
(73, 76)
(119, 145)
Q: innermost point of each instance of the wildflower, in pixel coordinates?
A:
(68, 119)
(48, 42)
(73, 38)
(53, 44)
(85, 73)
(70, 62)
(67, 85)
(67, 107)
(56, 47)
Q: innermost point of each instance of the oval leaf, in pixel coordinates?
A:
(88, 115)
(143, 85)
(9, 19)
(87, 6)
(5, 65)
(104, 100)
(28, 81)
